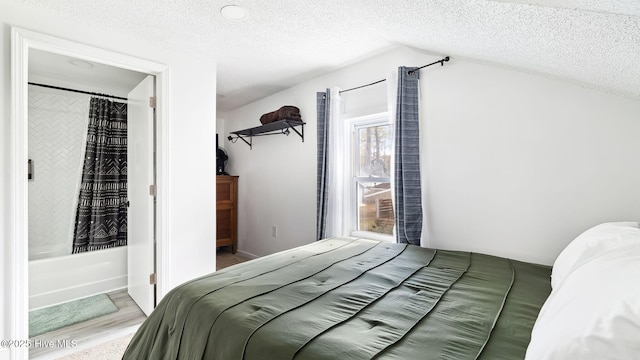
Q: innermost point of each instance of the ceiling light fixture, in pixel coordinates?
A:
(81, 63)
(233, 12)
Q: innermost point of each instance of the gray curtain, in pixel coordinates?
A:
(322, 104)
(408, 195)
(101, 217)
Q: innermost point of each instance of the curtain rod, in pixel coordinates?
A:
(441, 62)
(77, 91)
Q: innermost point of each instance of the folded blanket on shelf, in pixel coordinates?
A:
(286, 112)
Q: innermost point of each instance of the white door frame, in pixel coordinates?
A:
(22, 41)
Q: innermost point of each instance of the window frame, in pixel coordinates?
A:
(351, 205)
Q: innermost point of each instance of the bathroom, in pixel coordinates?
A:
(58, 118)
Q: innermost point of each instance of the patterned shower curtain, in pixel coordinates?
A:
(101, 217)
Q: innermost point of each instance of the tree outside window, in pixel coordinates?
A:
(372, 175)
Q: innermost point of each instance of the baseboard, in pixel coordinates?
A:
(247, 255)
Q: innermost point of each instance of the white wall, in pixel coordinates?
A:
(191, 140)
(517, 165)
(514, 164)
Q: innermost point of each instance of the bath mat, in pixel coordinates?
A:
(69, 313)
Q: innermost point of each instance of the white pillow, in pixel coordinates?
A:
(592, 243)
(595, 312)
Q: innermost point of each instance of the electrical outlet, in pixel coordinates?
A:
(274, 231)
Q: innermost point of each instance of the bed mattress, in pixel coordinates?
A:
(346, 298)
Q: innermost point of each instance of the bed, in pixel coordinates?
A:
(347, 298)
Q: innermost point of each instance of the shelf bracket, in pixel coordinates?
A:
(245, 140)
(301, 134)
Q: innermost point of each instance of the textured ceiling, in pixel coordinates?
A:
(595, 43)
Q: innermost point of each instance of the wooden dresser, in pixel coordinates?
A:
(227, 211)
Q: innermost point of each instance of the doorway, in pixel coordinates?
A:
(24, 43)
(63, 93)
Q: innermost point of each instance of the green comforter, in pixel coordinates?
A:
(346, 298)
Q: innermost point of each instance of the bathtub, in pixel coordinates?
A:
(69, 277)
(48, 251)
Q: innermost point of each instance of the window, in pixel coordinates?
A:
(371, 209)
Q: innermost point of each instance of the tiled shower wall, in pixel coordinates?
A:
(57, 132)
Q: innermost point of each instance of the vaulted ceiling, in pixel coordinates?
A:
(280, 43)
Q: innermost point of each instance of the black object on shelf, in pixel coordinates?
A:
(274, 128)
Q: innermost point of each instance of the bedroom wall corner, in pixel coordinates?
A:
(277, 185)
(514, 164)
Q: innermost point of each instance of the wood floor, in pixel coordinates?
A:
(109, 327)
(225, 258)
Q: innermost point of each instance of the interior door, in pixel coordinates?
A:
(140, 177)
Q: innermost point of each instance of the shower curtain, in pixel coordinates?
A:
(101, 217)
